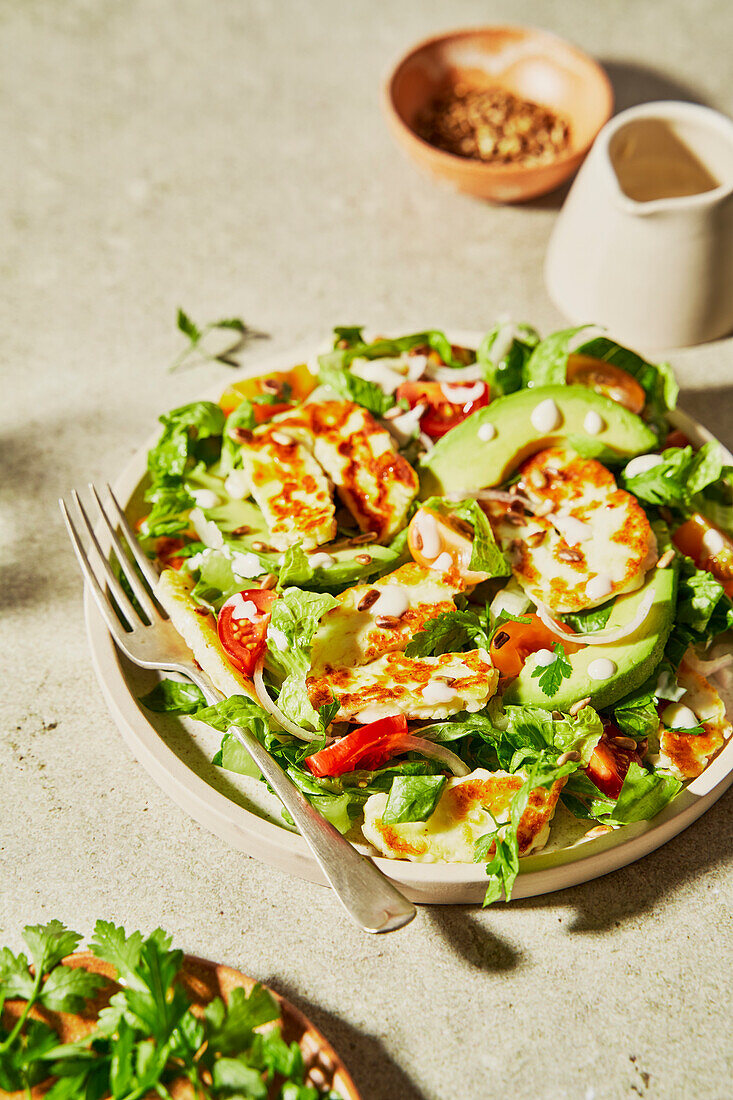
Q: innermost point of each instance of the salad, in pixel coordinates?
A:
(460, 594)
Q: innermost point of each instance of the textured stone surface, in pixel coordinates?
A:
(231, 158)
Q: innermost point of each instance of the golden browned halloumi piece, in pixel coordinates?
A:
(590, 542)
(197, 627)
(376, 484)
(347, 636)
(460, 818)
(290, 488)
(685, 754)
(419, 688)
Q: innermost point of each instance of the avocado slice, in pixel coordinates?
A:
(635, 656)
(462, 460)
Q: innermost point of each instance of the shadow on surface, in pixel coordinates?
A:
(376, 1075)
(472, 941)
(603, 904)
(712, 408)
(633, 84)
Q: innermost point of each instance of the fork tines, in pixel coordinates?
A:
(123, 551)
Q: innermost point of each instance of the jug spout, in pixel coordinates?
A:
(670, 156)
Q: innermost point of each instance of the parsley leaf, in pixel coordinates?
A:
(552, 675)
(449, 632)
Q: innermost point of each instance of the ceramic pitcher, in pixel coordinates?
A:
(644, 242)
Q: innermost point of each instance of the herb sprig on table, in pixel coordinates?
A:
(147, 1034)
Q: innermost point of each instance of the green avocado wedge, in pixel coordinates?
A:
(463, 460)
(635, 656)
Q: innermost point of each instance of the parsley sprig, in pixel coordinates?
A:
(147, 1035)
(197, 351)
(552, 675)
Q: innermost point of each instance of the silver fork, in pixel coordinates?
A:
(367, 895)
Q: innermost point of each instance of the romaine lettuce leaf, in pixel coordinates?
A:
(183, 430)
(295, 618)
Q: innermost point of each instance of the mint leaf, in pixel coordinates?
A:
(413, 798)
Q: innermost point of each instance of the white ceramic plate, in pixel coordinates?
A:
(177, 754)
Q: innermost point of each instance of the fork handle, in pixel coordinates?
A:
(366, 894)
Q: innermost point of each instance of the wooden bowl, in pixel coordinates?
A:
(525, 61)
(202, 980)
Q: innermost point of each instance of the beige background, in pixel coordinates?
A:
(230, 157)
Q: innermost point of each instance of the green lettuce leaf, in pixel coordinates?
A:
(643, 795)
(502, 366)
(183, 429)
(679, 477)
(174, 697)
(587, 622)
(295, 619)
(359, 390)
(548, 363)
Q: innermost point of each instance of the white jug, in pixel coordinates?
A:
(644, 242)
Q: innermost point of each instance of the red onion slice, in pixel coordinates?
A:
(598, 637)
(267, 704)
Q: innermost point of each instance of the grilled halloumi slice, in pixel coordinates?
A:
(376, 484)
(460, 818)
(687, 754)
(288, 484)
(587, 540)
(428, 687)
(197, 627)
(372, 619)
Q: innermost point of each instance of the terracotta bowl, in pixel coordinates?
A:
(202, 980)
(527, 62)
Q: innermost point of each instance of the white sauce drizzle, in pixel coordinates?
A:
(241, 608)
(393, 600)
(544, 657)
(461, 395)
(443, 563)
(602, 668)
(321, 560)
(679, 717)
(713, 541)
(246, 565)
(598, 587)
(486, 433)
(427, 527)
(278, 637)
(546, 416)
(572, 530)
(641, 464)
(205, 498)
(437, 692)
(237, 485)
(593, 423)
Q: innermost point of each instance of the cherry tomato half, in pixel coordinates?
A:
(606, 379)
(609, 763)
(242, 627)
(513, 643)
(430, 533)
(709, 547)
(368, 747)
(447, 404)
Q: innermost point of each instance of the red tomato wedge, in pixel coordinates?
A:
(447, 404)
(368, 747)
(609, 764)
(242, 627)
(513, 642)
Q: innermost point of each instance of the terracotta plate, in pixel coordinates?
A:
(177, 753)
(204, 980)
